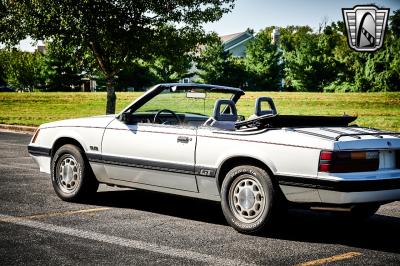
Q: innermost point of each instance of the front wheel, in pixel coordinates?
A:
(71, 175)
(247, 198)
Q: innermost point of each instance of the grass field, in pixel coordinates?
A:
(381, 110)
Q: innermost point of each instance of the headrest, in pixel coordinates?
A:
(229, 109)
(258, 108)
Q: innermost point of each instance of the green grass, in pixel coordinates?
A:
(381, 110)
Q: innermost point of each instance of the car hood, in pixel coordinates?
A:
(94, 121)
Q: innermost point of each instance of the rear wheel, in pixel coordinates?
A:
(247, 198)
(71, 174)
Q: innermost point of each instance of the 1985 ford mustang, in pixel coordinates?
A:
(188, 139)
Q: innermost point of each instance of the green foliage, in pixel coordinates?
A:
(309, 61)
(263, 62)
(21, 69)
(216, 66)
(291, 36)
(139, 43)
(3, 59)
(378, 71)
(395, 23)
(116, 32)
(338, 86)
(261, 68)
(324, 62)
(64, 65)
(137, 75)
(170, 69)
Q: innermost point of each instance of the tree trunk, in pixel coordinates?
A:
(111, 97)
(106, 68)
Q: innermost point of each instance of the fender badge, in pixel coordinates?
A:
(94, 148)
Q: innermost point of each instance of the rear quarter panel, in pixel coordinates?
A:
(284, 152)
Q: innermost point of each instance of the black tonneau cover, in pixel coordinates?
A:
(278, 121)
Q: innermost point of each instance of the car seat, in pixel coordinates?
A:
(224, 115)
(258, 107)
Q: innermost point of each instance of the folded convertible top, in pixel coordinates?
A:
(278, 121)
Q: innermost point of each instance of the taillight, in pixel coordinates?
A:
(348, 161)
(35, 136)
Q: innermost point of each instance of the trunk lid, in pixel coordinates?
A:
(354, 138)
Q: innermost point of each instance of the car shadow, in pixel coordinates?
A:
(161, 203)
(380, 232)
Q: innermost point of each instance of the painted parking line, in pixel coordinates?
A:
(18, 167)
(124, 242)
(14, 144)
(344, 256)
(65, 213)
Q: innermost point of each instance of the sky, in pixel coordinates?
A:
(258, 14)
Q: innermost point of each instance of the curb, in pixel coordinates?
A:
(17, 128)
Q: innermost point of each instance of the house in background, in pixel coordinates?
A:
(236, 43)
(233, 43)
(41, 48)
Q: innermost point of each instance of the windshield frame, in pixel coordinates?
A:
(157, 89)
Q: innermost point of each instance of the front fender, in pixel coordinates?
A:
(72, 134)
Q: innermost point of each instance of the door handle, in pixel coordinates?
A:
(183, 139)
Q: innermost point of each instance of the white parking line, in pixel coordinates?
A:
(64, 213)
(124, 242)
(19, 167)
(14, 144)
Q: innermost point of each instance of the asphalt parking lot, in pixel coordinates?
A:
(120, 226)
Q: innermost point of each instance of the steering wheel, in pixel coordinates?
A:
(157, 118)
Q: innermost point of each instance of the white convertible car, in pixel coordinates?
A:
(188, 139)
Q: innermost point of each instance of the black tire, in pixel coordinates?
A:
(71, 175)
(248, 199)
(363, 211)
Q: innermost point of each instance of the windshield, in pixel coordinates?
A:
(184, 101)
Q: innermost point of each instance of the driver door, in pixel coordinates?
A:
(150, 154)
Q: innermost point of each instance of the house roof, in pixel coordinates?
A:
(227, 38)
(232, 40)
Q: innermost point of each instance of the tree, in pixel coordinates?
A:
(395, 23)
(115, 31)
(263, 62)
(309, 61)
(170, 69)
(378, 71)
(3, 59)
(137, 75)
(291, 36)
(22, 69)
(64, 64)
(216, 66)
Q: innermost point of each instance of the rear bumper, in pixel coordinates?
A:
(346, 189)
(335, 197)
